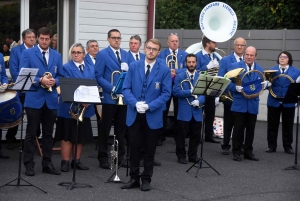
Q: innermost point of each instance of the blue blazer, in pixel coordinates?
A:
(3, 76)
(132, 59)
(157, 92)
(14, 60)
(180, 58)
(106, 63)
(185, 110)
(32, 58)
(281, 85)
(72, 71)
(203, 60)
(88, 61)
(240, 103)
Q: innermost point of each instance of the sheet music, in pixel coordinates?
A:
(87, 94)
(22, 78)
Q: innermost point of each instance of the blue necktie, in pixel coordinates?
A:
(117, 52)
(148, 71)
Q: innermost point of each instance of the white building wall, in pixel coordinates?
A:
(97, 17)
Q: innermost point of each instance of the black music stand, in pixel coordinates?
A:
(68, 87)
(206, 87)
(24, 79)
(293, 96)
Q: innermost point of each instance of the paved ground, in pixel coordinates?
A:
(246, 180)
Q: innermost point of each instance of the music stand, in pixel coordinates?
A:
(22, 82)
(293, 96)
(207, 86)
(68, 87)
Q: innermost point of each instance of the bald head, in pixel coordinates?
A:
(250, 55)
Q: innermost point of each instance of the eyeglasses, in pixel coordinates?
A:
(45, 39)
(239, 45)
(116, 38)
(283, 57)
(172, 34)
(153, 49)
(76, 52)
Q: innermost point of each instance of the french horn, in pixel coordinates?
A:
(252, 86)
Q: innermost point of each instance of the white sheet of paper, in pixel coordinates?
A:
(22, 77)
(87, 94)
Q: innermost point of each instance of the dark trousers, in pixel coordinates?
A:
(243, 121)
(288, 115)
(117, 114)
(34, 116)
(141, 137)
(0, 139)
(194, 128)
(162, 136)
(228, 125)
(209, 110)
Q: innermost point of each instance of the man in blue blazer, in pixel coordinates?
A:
(189, 117)
(179, 57)
(135, 43)
(239, 46)
(3, 86)
(92, 49)
(207, 60)
(109, 61)
(147, 88)
(29, 40)
(244, 109)
(42, 104)
(275, 106)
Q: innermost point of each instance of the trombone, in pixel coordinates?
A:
(172, 62)
(113, 94)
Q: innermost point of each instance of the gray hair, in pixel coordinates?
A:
(75, 45)
(136, 37)
(27, 31)
(91, 41)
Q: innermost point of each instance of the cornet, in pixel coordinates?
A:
(80, 112)
(114, 157)
(48, 75)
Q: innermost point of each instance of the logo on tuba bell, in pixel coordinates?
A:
(12, 111)
(252, 87)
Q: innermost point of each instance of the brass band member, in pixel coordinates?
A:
(276, 108)
(66, 127)
(189, 117)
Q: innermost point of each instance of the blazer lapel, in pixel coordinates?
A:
(76, 70)
(153, 73)
(51, 58)
(113, 56)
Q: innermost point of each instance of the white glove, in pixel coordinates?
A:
(144, 106)
(3, 87)
(210, 64)
(298, 80)
(120, 95)
(217, 101)
(139, 108)
(195, 103)
(216, 63)
(239, 88)
(124, 66)
(266, 84)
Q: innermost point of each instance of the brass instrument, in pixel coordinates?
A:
(113, 96)
(191, 86)
(172, 61)
(239, 82)
(79, 114)
(48, 75)
(114, 157)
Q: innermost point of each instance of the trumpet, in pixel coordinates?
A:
(113, 96)
(79, 114)
(114, 157)
(172, 61)
(48, 75)
(191, 86)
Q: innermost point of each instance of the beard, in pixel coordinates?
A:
(191, 69)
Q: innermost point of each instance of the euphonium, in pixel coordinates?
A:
(114, 157)
(113, 96)
(48, 75)
(173, 60)
(80, 112)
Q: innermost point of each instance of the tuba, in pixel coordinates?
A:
(79, 115)
(48, 75)
(114, 94)
(114, 158)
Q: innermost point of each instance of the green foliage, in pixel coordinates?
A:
(251, 14)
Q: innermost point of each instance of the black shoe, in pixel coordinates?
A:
(156, 163)
(3, 156)
(145, 185)
(182, 161)
(104, 165)
(79, 165)
(131, 184)
(49, 169)
(193, 160)
(270, 150)
(212, 140)
(29, 170)
(142, 163)
(250, 157)
(237, 157)
(10, 146)
(225, 151)
(289, 151)
(65, 166)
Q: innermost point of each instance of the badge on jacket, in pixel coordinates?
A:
(157, 85)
